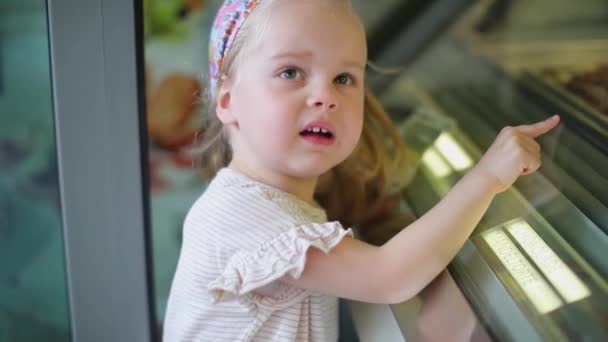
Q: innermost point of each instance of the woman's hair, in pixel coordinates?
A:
(363, 191)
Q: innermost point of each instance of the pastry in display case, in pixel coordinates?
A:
(535, 268)
(592, 86)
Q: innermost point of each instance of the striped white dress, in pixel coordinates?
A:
(240, 238)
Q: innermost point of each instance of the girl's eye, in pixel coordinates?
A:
(291, 74)
(344, 79)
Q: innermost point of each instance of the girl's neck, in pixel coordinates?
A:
(303, 188)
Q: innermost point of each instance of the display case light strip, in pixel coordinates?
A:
(435, 163)
(559, 274)
(525, 275)
(453, 153)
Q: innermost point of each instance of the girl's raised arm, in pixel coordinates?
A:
(403, 266)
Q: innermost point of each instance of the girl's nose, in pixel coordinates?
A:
(325, 99)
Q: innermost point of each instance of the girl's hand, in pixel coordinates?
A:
(513, 153)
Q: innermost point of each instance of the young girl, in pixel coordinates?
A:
(293, 130)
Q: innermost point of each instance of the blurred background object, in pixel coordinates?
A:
(33, 292)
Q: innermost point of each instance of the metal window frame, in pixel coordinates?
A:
(96, 66)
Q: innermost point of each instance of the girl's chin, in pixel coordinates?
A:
(311, 171)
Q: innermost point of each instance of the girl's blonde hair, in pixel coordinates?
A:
(363, 191)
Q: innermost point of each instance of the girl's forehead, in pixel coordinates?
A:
(300, 25)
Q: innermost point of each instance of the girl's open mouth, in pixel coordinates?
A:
(318, 136)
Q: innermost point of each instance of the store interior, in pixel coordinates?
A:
(450, 75)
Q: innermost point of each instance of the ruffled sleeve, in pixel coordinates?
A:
(283, 255)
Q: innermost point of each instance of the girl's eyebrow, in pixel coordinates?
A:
(307, 54)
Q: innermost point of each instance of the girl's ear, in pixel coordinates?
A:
(224, 104)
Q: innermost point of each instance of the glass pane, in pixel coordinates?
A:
(509, 63)
(33, 293)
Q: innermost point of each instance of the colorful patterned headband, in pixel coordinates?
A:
(228, 21)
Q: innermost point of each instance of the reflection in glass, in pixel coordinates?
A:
(507, 63)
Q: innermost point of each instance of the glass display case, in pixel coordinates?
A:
(535, 268)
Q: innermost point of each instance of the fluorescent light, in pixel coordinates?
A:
(435, 163)
(559, 274)
(525, 275)
(454, 154)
